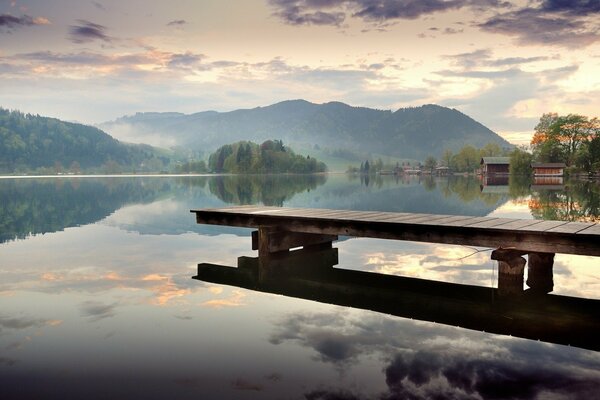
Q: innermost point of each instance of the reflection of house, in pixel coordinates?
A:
(548, 169)
(494, 180)
(442, 171)
(495, 165)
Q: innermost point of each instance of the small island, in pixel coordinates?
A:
(269, 157)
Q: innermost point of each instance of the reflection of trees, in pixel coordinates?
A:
(468, 189)
(579, 201)
(33, 206)
(271, 190)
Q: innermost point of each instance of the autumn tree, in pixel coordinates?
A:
(559, 138)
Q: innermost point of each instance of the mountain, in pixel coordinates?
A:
(414, 132)
(34, 143)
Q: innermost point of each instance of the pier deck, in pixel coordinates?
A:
(522, 235)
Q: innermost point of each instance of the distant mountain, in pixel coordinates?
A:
(414, 132)
(34, 143)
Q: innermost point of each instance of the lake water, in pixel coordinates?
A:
(97, 299)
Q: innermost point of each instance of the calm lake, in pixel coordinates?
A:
(97, 298)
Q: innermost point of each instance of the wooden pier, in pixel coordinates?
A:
(296, 258)
(285, 228)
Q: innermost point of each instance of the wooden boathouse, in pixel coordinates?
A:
(495, 165)
(548, 169)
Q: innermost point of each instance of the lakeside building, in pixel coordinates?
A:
(548, 169)
(495, 165)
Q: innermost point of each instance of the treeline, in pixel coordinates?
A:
(269, 157)
(31, 143)
(467, 159)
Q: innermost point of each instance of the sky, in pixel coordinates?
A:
(503, 63)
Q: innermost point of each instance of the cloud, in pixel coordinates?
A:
(308, 12)
(484, 57)
(7, 361)
(97, 311)
(99, 5)
(335, 12)
(572, 7)
(87, 32)
(10, 22)
(20, 323)
(427, 361)
(425, 374)
(552, 25)
(177, 22)
(243, 384)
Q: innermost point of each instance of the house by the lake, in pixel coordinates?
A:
(495, 165)
(548, 169)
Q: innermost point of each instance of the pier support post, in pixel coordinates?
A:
(539, 272)
(274, 255)
(511, 271)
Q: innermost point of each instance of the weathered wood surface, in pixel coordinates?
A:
(526, 235)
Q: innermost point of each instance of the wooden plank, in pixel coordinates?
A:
(571, 227)
(542, 226)
(485, 222)
(427, 219)
(454, 219)
(401, 218)
(520, 223)
(592, 230)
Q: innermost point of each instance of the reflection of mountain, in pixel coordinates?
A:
(270, 190)
(579, 201)
(34, 206)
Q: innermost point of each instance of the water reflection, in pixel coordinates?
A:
(102, 305)
(309, 274)
(576, 201)
(270, 190)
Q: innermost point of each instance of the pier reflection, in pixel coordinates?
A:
(506, 310)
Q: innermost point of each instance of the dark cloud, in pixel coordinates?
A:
(573, 7)
(177, 22)
(243, 384)
(535, 26)
(309, 12)
(20, 323)
(7, 361)
(184, 60)
(323, 394)
(334, 12)
(381, 10)
(425, 375)
(99, 5)
(87, 32)
(9, 22)
(13, 22)
(97, 311)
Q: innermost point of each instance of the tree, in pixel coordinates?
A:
(491, 150)
(430, 164)
(467, 159)
(559, 138)
(447, 157)
(520, 162)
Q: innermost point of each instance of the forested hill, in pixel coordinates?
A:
(34, 143)
(409, 132)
